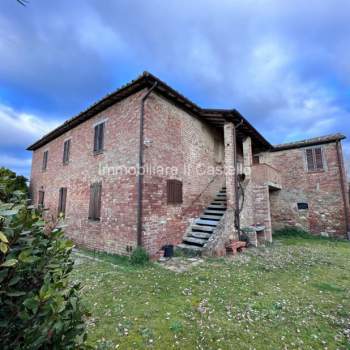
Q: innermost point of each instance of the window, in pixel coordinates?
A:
(174, 191)
(256, 160)
(45, 158)
(314, 159)
(41, 199)
(303, 206)
(62, 200)
(95, 201)
(98, 138)
(66, 149)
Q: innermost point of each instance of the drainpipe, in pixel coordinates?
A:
(342, 180)
(237, 214)
(140, 167)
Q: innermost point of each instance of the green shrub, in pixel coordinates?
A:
(39, 309)
(291, 231)
(10, 183)
(139, 256)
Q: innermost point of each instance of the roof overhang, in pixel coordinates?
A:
(213, 117)
(309, 142)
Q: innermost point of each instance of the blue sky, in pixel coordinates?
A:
(285, 65)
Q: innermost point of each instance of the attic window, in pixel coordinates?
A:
(314, 159)
(303, 206)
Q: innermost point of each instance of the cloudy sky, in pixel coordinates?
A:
(285, 65)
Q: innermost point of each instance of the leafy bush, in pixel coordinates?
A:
(10, 183)
(291, 231)
(139, 256)
(39, 309)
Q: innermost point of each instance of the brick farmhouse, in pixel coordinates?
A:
(147, 167)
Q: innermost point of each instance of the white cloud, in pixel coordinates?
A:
(21, 128)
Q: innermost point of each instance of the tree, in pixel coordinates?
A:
(10, 182)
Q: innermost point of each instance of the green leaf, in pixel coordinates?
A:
(14, 280)
(4, 247)
(3, 238)
(16, 294)
(9, 263)
(8, 212)
(31, 304)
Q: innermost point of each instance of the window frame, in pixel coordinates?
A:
(95, 202)
(45, 160)
(315, 168)
(41, 199)
(66, 151)
(174, 191)
(98, 140)
(62, 200)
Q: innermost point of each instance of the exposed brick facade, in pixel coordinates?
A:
(321, 190)
(176, 139)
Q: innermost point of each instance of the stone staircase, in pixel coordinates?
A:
(202, 228)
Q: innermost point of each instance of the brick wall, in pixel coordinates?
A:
(173, 138)
(321, 190)
(176, 139)
(117, 227)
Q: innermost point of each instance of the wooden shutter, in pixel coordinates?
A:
(41, 199)
(318, 158)
(174, 191)
(45, 157)
(95, 201)
(99, 137)
(62, 200)
(66, 149)
(314, 159)
(310, 159)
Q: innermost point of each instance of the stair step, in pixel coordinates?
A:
(215, 212)
(202, 228)
(218, 204)
(197, 241)
(189, 250)
(206, 222)
(216, 207)
(210, 217)
(201, 235)
(221, 195)
(219, 200)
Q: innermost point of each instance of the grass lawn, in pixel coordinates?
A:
(294, 294)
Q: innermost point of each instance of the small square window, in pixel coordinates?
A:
(303, 206)
(256, 160)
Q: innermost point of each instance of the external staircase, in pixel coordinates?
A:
(202, 228)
